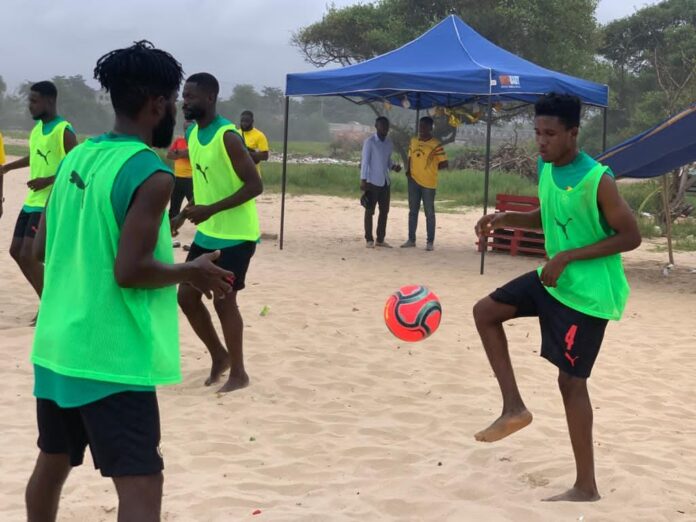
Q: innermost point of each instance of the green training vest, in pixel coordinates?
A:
(214, 179)
(45, 154)
(88, 326)
(571, 219)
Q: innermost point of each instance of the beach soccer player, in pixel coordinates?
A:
(587, 225)
(50, 140)
(107, 331)
(225, 183)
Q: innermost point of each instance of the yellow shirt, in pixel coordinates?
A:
(255, 140)
(2, 151)
(425, 156)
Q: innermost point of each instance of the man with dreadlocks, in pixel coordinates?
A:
(50, 140)
(107, 332)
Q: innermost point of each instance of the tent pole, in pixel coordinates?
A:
(487, 179)
(668, 216)
(604, 130)
(285, 168)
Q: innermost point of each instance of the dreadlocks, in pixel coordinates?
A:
(134, 74)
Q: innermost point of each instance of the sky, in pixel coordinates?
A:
(239, 42)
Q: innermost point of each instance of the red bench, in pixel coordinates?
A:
(515, 240)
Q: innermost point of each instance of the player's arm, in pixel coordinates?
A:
(136, 266)
(261, 154)
(69, 140)
(13, 165)
(490, 222)
(619, 217)
(246, 170)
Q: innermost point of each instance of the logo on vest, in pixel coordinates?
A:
(44, 156)
(203, 171)
(76, 180)
(564, 226)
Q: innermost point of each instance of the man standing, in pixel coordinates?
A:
(375, 165)
(254, 139)
(107, 332)
(2, 162)
(183, 184)
(426, 157)
(587, 224)
(225, 185)
(50, 140)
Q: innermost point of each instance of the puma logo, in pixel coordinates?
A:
(44, 156)
(564, 226)
(204, 172)
(571, 359)
(76, 180)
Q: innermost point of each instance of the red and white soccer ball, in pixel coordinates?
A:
(412, 313)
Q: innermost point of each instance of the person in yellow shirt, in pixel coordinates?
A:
(426, 157)
(2, 162)
(254, 139)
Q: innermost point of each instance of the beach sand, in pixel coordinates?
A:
(344, 422)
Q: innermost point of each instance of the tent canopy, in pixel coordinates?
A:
(449, 65)
(665, 147)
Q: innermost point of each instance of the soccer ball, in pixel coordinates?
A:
(412, 313)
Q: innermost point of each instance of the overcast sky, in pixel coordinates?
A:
(238, 41)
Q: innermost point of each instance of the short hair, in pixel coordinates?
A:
(247, 113)
(565, 107)
(46, 89)
(136, 73)
(205, 81)
(427, 119)
(383, 119)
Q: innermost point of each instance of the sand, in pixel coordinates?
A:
(344, 422)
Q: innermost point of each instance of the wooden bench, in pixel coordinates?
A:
(515, 240)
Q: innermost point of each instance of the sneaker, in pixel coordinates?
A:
(176, 244)
(370, 244)
(382, 244)
(409, 244)
(429, 246)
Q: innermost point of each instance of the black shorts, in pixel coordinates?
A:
(235, 259)
(569, 339)
(27, 224)
(122, 431)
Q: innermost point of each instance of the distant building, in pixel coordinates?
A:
(103, 97)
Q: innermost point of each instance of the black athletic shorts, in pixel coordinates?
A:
(27, 224)
(122, 431)
(235, 259)
(569, 339)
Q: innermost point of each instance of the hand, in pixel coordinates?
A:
(176, 223)
(39, 183)
(363, 185)
(488, 223)
(554, 268)
(197, 214)
(210, 279)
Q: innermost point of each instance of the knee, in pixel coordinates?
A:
(570, 385)
(188, 298)
(483, 312)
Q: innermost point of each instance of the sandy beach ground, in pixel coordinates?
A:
(343, 422)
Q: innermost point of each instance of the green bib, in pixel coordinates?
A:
(45, 154)
(88, 326)
(571, 219)
(214, 179)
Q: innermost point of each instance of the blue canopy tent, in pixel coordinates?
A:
(656, 152)
(449, 65)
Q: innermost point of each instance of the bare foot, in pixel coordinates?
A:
(505, 425)
(575, 494)
(235, 382)
(218, 368)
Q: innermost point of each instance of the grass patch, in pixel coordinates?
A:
(456, 187)
(303, 148)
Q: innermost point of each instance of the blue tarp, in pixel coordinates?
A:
(657, 151)
(449, 65)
